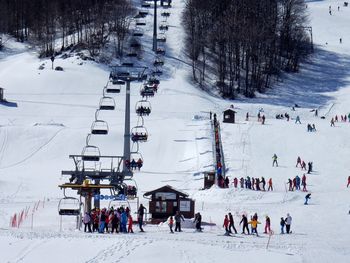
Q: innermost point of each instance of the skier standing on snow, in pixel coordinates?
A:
(245, 224)
(270, 185)
(332, 123)
(263, 119)
(282, 223)
(235, 182)
(263, 183)
(288, 222)
(274, 158)
(198, 222)
(297, 120)
(290, 183)
(298, 161)
(309, 167)
(225, 225)
(307, 197)
(130, 222)
(178, 218)
(297, 181)
(254, 223)
(303, 183)
(267, 225)
(232, 224)
(348, 181)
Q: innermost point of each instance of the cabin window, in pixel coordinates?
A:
(165, 196)
(185, 206)
(160, 207)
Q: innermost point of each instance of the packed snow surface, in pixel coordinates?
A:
(51, 113)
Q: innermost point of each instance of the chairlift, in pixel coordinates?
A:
(91, 153)
(138, 32)
(157, 72)
(145, 5)
(69, 206)
(153, 80)
(143, 13)
(160, 51)
(128, 64)
(165, 14)
(99, 127)
(147, 92)
(107, 103)
(131, 54)
(162, 39)
(143, 107)
(113, 89)
(158, 63)
(136, 161)
(135, 45)
(140, 23)
(164, 27)
(139, 134)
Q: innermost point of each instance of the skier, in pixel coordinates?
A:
(247, 117)
(348, 181)
(123, 221)
(198, 222)
(309, 167)
(102, 222)
(115, 222)
(178, 218)
(87, 222)
(171, 219)
(282, 223)
(225, 225)
(245, 224)
(288, 222)
(267, 225)
(307, 197)
(274, 158)
(303, 183)
(290, 183)
(332, 122)
(270, 185)
(303, 165)
(232, 224)
(297, 120)
(254, 223)
(226, 181)
(298, 161)
(140, 213)
(139, 163)
(241, 182)
(297, 182)
(336, 118)
(263, 119)
(130, 224)
(235, 182)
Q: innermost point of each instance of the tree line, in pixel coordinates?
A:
(48, 23)
(245, 43)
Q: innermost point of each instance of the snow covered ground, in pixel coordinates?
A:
(54, 113)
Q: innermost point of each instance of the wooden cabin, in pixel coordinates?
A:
(165, 201)
(229, 116)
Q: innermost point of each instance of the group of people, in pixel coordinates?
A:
(342, 119)
(254, 183)
(296, 183)
(253, 222)
(178, 217)
(303, 165)
(139, 136)
(133, 165)
(143, 110)
(112, 220)
(282, 116)
(311, 128)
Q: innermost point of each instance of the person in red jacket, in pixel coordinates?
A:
(235, 182)
(130, 224)
(270, 185)
(226, 224)
(348, 181)
(303, 183)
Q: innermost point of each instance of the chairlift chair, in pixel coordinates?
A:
(153, 80)
(139, 134)
(107, 103)
(136, 162)
(165, 14)
(163, 27)
(99, 127)
(162, 39)
(91, 153)
(140, 23)
(146, 92)
(143, 107)
(69, 206)
(158, 62)
(113, 89)
(138, 32)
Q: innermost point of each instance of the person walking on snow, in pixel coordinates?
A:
(178, 218)
(140, 213)
(303, 165)
(235, 182)
(254, 223)
(297, 120)
(270, 185)
(225, 225)
(298, 161)
(303, 183)
(87, 222)
(198, 222)
(245, 224)
(288, 222)
(267, 225)
(348, 181)
(307, 197)
(232, 224)
(171, 224)
(274, 158)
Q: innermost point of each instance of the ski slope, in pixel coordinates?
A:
(54, 114)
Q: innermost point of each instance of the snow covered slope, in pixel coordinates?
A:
(54, 113)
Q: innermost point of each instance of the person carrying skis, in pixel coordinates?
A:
(267, 225)
(270, 185)
(307, 197)
(288, 222)
(225, 225)
(274, 158)
(298, 161)
(232, 224)
(245, 224)
(178, 218)
(254, 224)
(282, 224)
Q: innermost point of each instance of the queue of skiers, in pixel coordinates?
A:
(229, 225)
(112, 220)
(256, 184)
(296, 183)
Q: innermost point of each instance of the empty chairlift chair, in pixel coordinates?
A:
(107, 103)
(91, 153)
(99, 127)
(114, 88)
(69, 206)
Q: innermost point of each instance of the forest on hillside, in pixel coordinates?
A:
(46, 23)
(245, 44)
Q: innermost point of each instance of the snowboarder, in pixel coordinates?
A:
(178, 218)
(232, 224)
(171, 223)
(140, 213)
(267, 225)
(225, 225)
(298, 161)
(198, 222)
(288, 222)
(297, 120)
(274, 158)
(307, 197)
(270, 185)
(282, 223)
(245, 224)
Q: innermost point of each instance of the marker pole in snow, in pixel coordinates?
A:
(155, 27)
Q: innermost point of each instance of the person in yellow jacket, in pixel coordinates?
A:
(254, 223)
